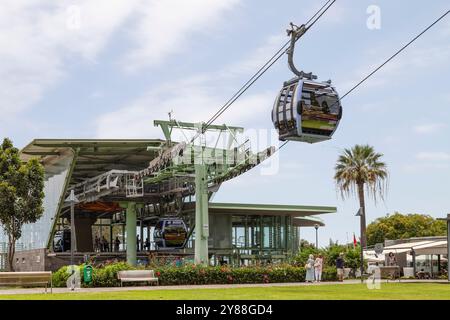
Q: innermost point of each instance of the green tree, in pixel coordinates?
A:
(359, 170)
(399, 226)
(21, 194)
(330, 253)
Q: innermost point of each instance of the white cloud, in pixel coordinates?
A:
(338, 13)
(433, 156)
(425, 58)
(428, 128)
(195, 99)
(37, 40)
(426, 161)
(165, 26)
(256, 59)
(40, 38)
(425, 167)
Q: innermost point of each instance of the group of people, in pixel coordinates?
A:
(314, 267)
(101, 244)
(146, 244)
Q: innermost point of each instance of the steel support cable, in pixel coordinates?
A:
(276, 56)
(262, 70)
(267, 65)
(385, 62)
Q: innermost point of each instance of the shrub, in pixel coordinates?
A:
(60, 277)
(329, 274)
(106, 276)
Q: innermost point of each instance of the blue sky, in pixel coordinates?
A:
(107, 69)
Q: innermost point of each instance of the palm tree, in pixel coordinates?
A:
(359, 170)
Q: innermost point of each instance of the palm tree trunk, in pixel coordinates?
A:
(362, 205)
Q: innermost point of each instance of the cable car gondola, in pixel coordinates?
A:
(305, 110)
(170, 233)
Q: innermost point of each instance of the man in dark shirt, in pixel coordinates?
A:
(340, 267)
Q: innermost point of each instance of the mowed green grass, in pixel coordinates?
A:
(388, 291)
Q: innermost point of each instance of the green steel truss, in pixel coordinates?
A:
(179, 170)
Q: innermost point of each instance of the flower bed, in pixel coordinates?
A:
(106, 276)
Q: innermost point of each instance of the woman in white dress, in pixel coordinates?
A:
(309, 269)
(318, 265)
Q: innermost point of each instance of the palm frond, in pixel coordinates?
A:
(361, 165)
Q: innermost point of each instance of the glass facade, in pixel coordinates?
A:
(264, 233)
(36, 235)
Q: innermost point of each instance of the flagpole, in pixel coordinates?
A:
(346, 234)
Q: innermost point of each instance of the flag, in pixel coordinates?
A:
(354, 241)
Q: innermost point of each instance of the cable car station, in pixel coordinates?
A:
(99, 193)
(137, 200)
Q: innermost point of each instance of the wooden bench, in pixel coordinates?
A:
(27, 278)
(137, 276)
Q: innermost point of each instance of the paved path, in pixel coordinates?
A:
(5, 291)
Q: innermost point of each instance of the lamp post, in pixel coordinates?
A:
(360, 214)
(316, 226)
(448, 242)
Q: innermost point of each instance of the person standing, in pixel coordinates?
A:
(138, 242)
(107, 249)
(97, 244)
(117, 244)
(340, 266)
(101, 244)
(392, 260)
(147, 244)
(309, 269)
(104, 244)
(318, 265)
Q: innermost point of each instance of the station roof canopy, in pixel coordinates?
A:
(308, 222)
(272, 209)
(420, 247)
(95, 156)
(302, 215)
(436, 247)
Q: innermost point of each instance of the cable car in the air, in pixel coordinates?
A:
(305, 110)
(170, 233)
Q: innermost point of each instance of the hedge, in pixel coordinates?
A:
(106, 276)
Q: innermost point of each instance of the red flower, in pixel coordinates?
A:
(158, 273)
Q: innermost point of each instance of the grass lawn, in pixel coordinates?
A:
(395, 291)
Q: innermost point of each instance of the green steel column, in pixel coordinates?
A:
(131, 233)
(131, 208)
(201, 215)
